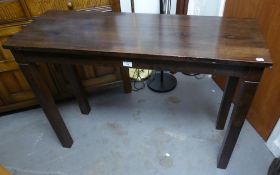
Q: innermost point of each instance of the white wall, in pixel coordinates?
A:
(145, 6)
(196, 7)
(273, 142)
(206, 7)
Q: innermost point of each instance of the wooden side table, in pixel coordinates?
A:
(212, 45)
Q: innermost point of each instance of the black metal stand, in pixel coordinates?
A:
(162, 82)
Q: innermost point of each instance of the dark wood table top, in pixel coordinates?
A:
(146, 36)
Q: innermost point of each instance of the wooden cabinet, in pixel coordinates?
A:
(37, 7)
(265, 111)
(15, 92)
(13, 10)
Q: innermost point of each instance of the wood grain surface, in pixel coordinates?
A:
(185, 38)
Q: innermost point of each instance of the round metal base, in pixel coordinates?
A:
(162, 82)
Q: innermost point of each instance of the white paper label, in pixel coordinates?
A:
(127, 64)
(259, 59)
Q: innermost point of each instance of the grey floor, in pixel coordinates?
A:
(130, 134)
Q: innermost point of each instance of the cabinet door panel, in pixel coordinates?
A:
(15, 91)
(104, 70)
(85, 4)
(97, 76)
(1, 102)
(4, 53)
(22, 96)
(11, 10)
(21, 80)
(86, 72)
(11, 91)
(37, 7)
(4, 94)
(10, 82)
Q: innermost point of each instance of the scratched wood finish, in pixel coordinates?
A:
(267, 13)
(185, 38)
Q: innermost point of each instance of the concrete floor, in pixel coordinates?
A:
(138, 133)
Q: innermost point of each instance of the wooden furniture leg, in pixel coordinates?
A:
(46, 101)
(243, 101)
(76, 86)
(226, 101)
(126, 79)
(182, 7)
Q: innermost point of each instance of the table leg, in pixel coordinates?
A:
(243, 101)
(46, 101)
(226, 101)
(126, 79)
(76, 86)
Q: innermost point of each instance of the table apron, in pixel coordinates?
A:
(227, 68)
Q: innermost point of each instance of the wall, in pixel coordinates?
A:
(196, 7)
(206, 7)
